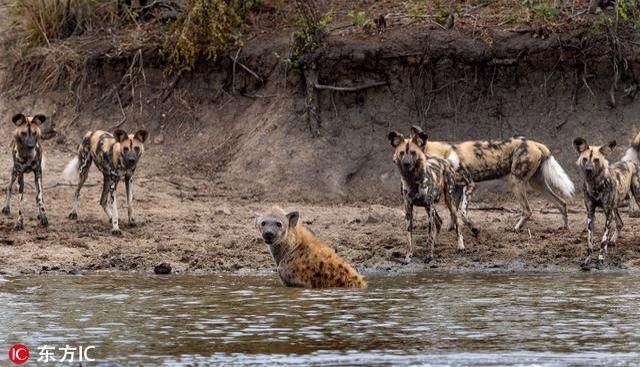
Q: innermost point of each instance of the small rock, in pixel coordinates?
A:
(222, 209)
(115, 261)
(159, 139)
(74, 272)
(162, 269)
(372, 218)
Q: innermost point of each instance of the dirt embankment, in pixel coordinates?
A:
(230, 138)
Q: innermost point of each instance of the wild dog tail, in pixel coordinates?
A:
(632, 154)
(71, 172)
(556, 177)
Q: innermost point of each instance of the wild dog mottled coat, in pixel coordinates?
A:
(302, 259)
(605, 186)
(116, 156)
(523, 160)
(27, 157)
(424, 181)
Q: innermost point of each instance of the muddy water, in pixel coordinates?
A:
(416, 319)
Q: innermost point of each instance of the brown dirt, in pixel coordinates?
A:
(228, 140)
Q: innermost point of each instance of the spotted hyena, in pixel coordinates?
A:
(524, 161)
(27, 157)
(302, 259)
(116, 156)
(426, 179)
(605, 186)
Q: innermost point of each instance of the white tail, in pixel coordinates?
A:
(630, 155)
(556, 177)
(71, 173)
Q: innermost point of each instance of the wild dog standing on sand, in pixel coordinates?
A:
(302, 259)
(27, 157)
(524, 161)
(424, 181)
(116, 156)
(605, 186)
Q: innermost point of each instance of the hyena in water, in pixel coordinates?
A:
(116, 156)
(424, 181)
(605, 186)
(524, 161)
(302, 259)
(27, 157)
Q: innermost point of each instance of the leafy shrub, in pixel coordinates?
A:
(204, 28)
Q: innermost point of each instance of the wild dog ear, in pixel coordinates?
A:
(120, 135)
(39, 119)
(580, 145)
(293, 218)
(142, 135)
(608, 148)
(395, 138)
(18, 119)
(418, 136)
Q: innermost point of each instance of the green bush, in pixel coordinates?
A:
(204, 28)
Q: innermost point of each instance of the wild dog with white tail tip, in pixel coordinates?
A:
(302, 259)
(116, 156)
(524, 161)
(605, 186)
(425, 180)
(27, 157)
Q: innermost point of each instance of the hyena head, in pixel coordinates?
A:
(592, 160)
(131, 145)
(409, 155)
(27, 131)
(274, 224)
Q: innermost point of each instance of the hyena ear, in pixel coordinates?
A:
(256, 219)
(580, 145)
(418, 136)
(395, 138)
(293, 218)
(120, 135)
(39, 119)
(19, 119)
(608, 148)
(142, 135)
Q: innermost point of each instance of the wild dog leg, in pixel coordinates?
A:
(7, 204)
(591, 214)
(115, 230)
(104, 197)
(617, 227)
(20, 223)
(42, 216)
(608, 214)
(453, 214)
(435, 223)
(520, 190)
(408, 221)
(128, 182)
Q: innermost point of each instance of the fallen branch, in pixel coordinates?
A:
(350, 89)
(246, 68)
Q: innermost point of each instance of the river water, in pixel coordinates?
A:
(410, 319)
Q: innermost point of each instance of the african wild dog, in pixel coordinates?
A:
(605, 186)
(523, 160)
(302, 259)
(27, 157)
(424, 180)
(116, 156)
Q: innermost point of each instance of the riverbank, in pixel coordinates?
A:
(197, 226)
